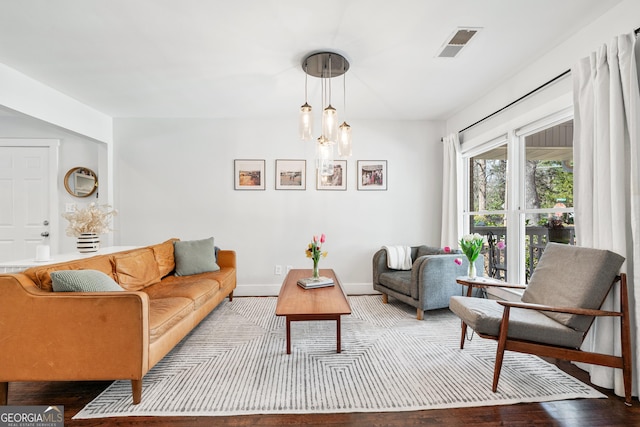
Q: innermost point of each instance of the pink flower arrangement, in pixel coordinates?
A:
(314, 250)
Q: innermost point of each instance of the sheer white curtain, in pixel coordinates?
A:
(607, 182)
(450, 192)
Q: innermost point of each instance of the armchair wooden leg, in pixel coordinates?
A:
(136, 391)
(463, 336)
(502, 343)
(625, 340)
(419, 314)
(385, 299)
(230, 296)
(4, 393)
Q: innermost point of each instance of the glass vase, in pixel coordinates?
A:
(316, 271)
(472, 270)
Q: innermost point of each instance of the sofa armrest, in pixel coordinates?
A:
(49, 336)
(226, 258)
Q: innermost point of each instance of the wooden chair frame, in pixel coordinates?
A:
(505, 343)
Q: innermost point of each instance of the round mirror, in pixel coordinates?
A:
(81, 182)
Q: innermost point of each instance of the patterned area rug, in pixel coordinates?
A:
(235, 363)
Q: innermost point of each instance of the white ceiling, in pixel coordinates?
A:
(241, 58)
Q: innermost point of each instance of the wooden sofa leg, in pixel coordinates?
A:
(4, 393)
(230, 296)
(136, 391)
(385, 299)
(419, 314)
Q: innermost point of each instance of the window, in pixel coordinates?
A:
(520, 193)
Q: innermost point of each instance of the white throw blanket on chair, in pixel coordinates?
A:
(398, 257)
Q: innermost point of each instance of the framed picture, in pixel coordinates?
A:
(291, 174)
(372, 175)
(249, 174)
(337, 181)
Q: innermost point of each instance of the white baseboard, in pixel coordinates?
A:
(274, 289)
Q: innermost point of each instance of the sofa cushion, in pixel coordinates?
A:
(83, 281)
(136, 269)
(572, 276)
(399, 281)
(196, 288)
(41, 276)
(164, 313)
(163, 252)
(195, 256)
(484, 316)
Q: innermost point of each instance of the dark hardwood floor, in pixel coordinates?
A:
(581, 412)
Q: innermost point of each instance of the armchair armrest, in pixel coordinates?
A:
(568, 310)
(379, 265)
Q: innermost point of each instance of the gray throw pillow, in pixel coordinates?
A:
(194, 257)
(83, 281)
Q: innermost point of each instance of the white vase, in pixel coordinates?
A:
(88, 242)
(472, 270)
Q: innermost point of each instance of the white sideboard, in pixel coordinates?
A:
(21, 265)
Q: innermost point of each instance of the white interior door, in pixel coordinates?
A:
(25, 200)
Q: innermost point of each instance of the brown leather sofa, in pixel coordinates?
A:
(74, 336)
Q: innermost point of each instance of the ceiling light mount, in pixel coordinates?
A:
(325, 65)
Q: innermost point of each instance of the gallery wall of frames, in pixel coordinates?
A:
(291, 174)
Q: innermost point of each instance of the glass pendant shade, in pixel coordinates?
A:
(324, 157)
(306, 123)
(330, 124)
(344, 140)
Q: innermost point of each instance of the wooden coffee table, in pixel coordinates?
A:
(298, 304)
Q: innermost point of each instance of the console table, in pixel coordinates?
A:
(21, 265)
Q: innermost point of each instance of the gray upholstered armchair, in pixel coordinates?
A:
(430, 282)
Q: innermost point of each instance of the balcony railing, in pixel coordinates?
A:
(536, 239)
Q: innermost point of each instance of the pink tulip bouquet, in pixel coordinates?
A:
(314, 251)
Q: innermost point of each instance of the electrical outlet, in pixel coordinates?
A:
(289, 267)
(70, 207)
(277, 270)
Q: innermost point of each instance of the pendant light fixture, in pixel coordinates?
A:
(325, 65)
(306, 117)
(329, 114)
(344, 131)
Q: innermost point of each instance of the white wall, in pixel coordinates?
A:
(621, 19)
(75, 150)
(174, 178)
(28, 96)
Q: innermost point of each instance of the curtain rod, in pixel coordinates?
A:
(542, 86)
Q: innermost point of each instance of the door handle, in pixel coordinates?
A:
(45, 234)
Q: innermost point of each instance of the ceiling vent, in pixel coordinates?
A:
(459, 39)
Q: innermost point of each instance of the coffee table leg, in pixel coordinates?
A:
(338, 329)
(288, 335)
